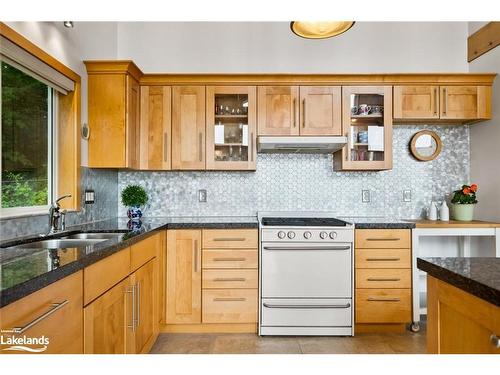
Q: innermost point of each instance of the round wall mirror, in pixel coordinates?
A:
(425, 145)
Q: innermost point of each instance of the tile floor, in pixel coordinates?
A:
(366, 343)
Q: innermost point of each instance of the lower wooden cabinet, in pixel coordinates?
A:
(388, 306)
(54, 312)
(230, 306)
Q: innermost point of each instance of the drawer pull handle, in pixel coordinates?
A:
(229, 259)
(383, 279)
(230, 279)
(382, 259)
(308, 248)
(329, 306)
(229, 299)
(384, 239)
(229, 239)
(371, 299)
(495, 341)
(54, 307)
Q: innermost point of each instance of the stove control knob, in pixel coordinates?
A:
(281, 234)
(333, 235)
(323, 235)
(291, 235)
(307, 235)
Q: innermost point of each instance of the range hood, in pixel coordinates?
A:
(300, 145)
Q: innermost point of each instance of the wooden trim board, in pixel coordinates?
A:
(483, 40)
(454, 224)
(209, 328)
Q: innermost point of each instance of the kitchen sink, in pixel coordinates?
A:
(94, 236)
(61, 243)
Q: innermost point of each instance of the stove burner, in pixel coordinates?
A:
(303, 222)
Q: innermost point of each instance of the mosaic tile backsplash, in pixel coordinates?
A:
(103, 182)
(308, 182)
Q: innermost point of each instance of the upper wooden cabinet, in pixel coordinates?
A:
(442, 103)
(278, 110)
(156, 129)
(183, 301)
(188, 127)
(321, 110)
(231, 121)
(113, 114)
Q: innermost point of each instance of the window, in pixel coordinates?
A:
(27, 134)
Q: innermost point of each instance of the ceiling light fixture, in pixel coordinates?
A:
(320, 30)
(68, 24)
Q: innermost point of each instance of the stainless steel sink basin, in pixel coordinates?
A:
(94, 236)
(61, 243)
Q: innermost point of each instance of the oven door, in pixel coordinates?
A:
(298, 270)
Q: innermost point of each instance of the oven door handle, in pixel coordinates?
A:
(326, 306)
(306, 248)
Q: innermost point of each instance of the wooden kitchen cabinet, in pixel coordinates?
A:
(156, 128)
(367, 124)
(320, 110)
(188, 127)
(465, 102)
(183, 295)
(278, 110)
(113, 114)
(231, 121)
(59, 306)
(416, 102)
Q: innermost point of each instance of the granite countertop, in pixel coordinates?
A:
(477, 276)
(25, 269)
(381, 222)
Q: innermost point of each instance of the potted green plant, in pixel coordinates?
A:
(133, 197)
(463, 202)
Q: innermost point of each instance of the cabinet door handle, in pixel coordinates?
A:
(229, 279)
(383, 239)
(383, 279)
(495, 341)
(138, 304)
(294, 112)
(229, 259)
(53, 308)
(131, 290)
(435, 101)
(165, 146)
(195, 250)
(251, 146)
(304, 113)
(229, 239)
(229, 299)
(382, 259)
(372, 299)
(445, 101)
(200, 141)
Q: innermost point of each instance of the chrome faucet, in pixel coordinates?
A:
(56, 216)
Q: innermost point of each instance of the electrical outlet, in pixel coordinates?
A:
(365, 196)
(202, 195)
(407, 195)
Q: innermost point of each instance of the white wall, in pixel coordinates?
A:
(485, 143)
(271, 47)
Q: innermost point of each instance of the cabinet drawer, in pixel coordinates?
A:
(103, 275)
(230, 306)
(383, 258)
(383, 278)
(54, 312)
(230, 258)
(230, 238)
(218, 279)
(382, 239)
(383, 306)
(143, 251)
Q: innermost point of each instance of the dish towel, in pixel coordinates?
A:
(375, 138)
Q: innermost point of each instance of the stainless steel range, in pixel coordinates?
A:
(306, 274)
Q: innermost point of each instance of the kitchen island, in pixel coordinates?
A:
(463, 297)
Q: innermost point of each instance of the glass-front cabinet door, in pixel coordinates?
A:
(367, 124)
(231, 127)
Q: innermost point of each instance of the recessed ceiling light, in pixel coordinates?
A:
(68, 24)
(320, 30)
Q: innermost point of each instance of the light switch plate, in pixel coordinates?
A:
(407, 195)
(365, 196)
(202, 195)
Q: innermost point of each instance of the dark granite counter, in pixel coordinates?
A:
(477, 276)
(379, 222)
(25, 269)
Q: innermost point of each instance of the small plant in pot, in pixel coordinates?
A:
(134, 197)
(463, 202)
